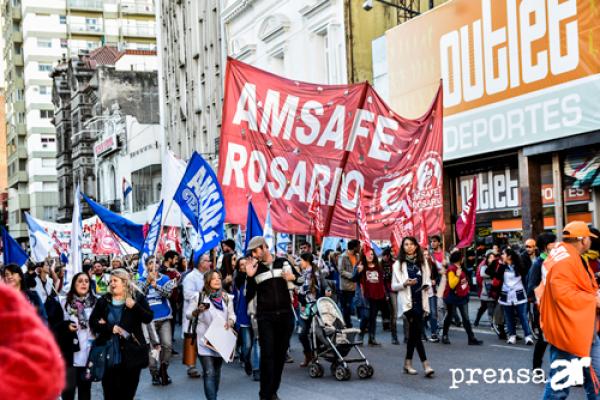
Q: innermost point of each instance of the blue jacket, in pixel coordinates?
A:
(158, 298)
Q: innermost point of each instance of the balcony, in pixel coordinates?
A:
(17, 83)
(137, 8)
(14, 179)
(23, 200)
(147, 31)
(17, 37)
(18, 129)
(16, 12)
(63, 160)
(87, 29)
(18, 60)
(86, 5)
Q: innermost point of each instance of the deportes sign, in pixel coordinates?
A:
(282, 140)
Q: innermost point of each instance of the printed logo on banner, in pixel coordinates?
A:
(428, 193)
(200, 198)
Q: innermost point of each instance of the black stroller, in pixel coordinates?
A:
(332, 341)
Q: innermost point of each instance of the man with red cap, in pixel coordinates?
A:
(569, 303)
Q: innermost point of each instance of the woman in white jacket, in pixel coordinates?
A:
(412, 279)
(211, 303)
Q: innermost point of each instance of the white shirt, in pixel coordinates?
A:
(192, 285)
(43, 290)
(84, 337)
(512, 284)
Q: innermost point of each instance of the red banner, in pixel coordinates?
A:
(465, 224)
(103, 242)
(282, 140)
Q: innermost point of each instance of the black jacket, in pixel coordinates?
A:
(131, 320)
(272, 295)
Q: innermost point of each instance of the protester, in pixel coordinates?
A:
(101, 279)
(158, 289)
(510, 277)
(243, 324)
(227, 247)
(31, 365)
(432, 319)
(545, 242)
(226, 271)
(44, 284)
(456, 296)
(118, 318)
(347, 262)
(267, 281)
(13, 276)
(568, 308)
(528, 255)
(75, 336)
(486, 272)
(211, 303)
(412, 279)
(169, 268)
(387, 262)
(370, 278)
(193, 283)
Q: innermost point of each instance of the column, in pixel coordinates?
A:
(531, 196)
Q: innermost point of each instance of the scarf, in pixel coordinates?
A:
(411, 259)
(77, 308)
(216, 298)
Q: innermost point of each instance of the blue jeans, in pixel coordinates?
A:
(432, 318)
(509, 318)
(245, 333)
(255, 355)
(211, 367)
(588, 384)
(346, 298)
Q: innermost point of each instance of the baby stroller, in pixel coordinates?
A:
(332, 341)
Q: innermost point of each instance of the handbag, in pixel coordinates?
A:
(190, 353)
(99, 360)
(134, 354)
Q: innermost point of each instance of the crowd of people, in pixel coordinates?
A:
(125, 322)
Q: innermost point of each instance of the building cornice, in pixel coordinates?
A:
(311, 10)
(235, 9)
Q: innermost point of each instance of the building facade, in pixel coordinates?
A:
(95, 93)
(36, 35)
(191, 76)
(520, 116)
(4, 151)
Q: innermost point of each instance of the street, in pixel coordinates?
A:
(388, 382)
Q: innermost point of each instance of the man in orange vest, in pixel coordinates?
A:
(568, 308)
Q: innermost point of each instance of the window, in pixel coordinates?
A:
(48, 162)
(45, 43)
(64, 43)
(62, 19)
(46, 114)
(44, 89)
(49, 186)
(46, 141)
(45, 67)
(20, 118)
(50, 211)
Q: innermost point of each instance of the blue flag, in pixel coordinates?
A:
(130, 232)
(253, 227)
(201, 200)
(13, 253)
(151, 239)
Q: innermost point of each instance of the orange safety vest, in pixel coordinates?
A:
(568, 302)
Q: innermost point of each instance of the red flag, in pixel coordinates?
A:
(465, 225)
(103, 242)
(396, 240)
(316, 217)
(423, 238)
(363, 232)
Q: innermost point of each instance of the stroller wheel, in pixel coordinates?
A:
(315, 370)
(371, 370)
(363, 371)
(342, 373)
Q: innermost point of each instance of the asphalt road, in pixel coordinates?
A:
(388, 382)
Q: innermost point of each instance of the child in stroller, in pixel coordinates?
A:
(332, 341)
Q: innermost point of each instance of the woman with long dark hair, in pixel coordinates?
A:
(370, 277)
(513, 297)
(412, 278)
(213, 302)
(13, 276)
(75, 336)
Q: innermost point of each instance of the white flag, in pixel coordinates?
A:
(75, 261)
(268, 231)
(172, 173)
(39, 241)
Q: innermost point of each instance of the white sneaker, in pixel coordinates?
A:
(512, 340)
(528, 340)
